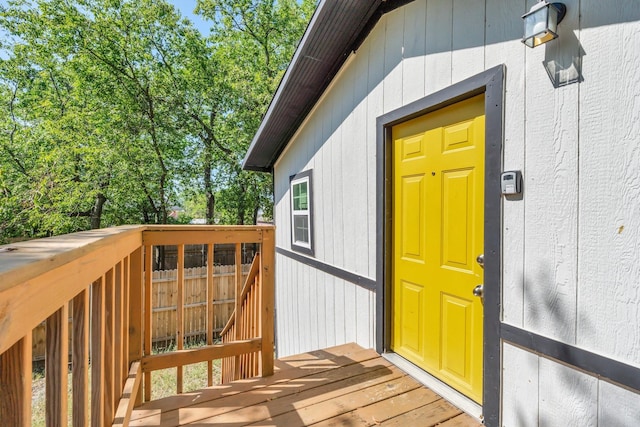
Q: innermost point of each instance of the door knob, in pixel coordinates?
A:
(480, 260)
(478, 291)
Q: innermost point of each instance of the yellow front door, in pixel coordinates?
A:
(438, 232)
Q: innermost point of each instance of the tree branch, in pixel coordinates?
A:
(12, 133)
(209, 133)
(55, 86)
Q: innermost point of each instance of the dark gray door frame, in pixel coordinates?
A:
(491, 83)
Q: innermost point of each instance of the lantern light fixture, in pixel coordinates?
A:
(540, 23)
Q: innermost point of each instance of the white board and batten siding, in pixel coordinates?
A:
(541, 392)
(571, 257)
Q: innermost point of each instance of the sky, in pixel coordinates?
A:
(186, 8)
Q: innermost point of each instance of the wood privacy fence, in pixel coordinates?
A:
(165, 302)
(165, 292)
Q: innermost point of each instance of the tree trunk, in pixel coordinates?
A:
(211, 205)
(241, 203)
(96, 212)
(255, 214)
(208, 190)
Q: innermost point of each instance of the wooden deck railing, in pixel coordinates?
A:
(99, 279)
(244, 324)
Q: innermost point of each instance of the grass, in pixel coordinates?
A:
(194, 377)
(163, 384)
(38, 398)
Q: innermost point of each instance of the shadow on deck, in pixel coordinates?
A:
(344, 385)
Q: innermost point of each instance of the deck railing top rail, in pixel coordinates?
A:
(22, 261)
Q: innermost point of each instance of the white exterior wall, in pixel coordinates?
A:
(316, 310)
(571, 246)
(541, 392)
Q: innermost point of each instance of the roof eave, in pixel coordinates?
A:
(329, 21)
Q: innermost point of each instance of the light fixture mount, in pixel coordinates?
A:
(540, 23)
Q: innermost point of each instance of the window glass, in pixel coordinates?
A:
(301, 228)
(300, 196)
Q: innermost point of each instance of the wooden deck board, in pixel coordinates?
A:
(339, 386)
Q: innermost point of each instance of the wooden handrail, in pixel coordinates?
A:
(129, 392)
(102, 278)
(230, 323)
(246, 322)
(253, 272)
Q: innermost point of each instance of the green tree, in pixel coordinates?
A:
(93, 107)
(255, 42)
(115, 110)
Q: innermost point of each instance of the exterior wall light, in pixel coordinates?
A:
(540, 23)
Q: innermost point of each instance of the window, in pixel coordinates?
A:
(301, 217)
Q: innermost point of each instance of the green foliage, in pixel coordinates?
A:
(115, 110)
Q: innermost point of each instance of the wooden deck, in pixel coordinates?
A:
(339, 386)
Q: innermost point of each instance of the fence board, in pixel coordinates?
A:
(164, 303)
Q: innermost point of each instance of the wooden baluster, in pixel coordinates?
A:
(254, 325)
(56, 367)
(97, 352)
(80, 359)
(256, 319)
(15, 377)
(238, 306)
(267, 262)
(180, 314)
(249, 330)
(243, 335)
(136, 317)
(109, 351)
(210, 298)
(148, 272)
(125, 320)
(117, 336)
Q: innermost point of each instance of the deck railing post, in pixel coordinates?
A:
(210, 297)
(238, 306)
(15, 383)
(180, 315)
(148, 275)
(267, 297)
(136, 321)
